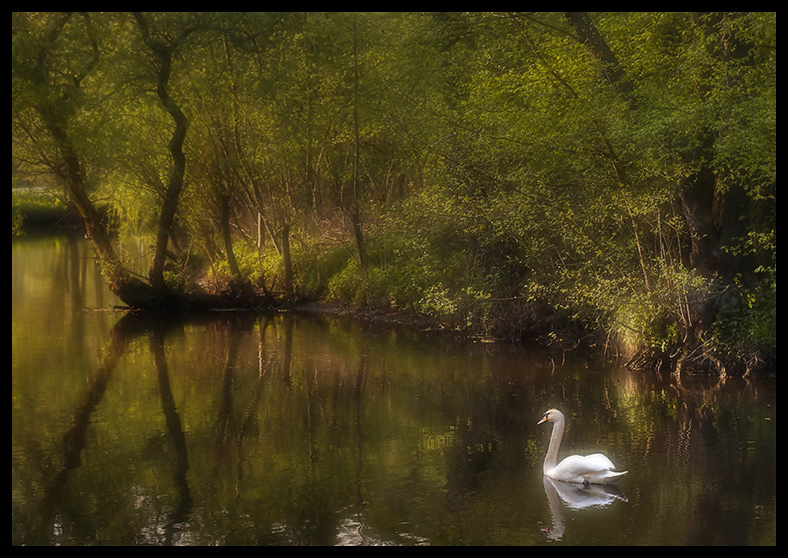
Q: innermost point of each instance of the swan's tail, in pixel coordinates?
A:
(609, 477)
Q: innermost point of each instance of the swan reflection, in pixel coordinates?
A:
(575, 497)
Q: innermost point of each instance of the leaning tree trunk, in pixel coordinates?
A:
(120, 281)
(55, 105)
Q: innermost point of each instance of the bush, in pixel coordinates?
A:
(746, 335)
(36, 208)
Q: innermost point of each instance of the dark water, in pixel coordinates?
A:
(238, 429)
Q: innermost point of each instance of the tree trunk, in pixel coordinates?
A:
(175, 185)
(126, 287)
(288, 263)
(355, 210)
(232, 264)
(163, 54)
(358, 234)
(590, 37)
(697, 198)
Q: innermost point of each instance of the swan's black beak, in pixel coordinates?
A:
(544, 418)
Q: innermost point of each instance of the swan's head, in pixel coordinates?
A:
(553, 415)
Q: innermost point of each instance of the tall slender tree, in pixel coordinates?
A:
(163, 46)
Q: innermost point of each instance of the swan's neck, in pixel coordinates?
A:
(552, 450)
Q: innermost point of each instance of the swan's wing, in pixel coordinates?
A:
(595, 469)
(584, 464)
(599, 462)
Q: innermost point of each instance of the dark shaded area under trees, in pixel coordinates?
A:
(578, 179)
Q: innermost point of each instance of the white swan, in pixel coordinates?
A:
(588, 469)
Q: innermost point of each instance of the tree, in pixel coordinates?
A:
(163, 45)
(558, 174)
(715, 201)
(590, 159)
(53, 56)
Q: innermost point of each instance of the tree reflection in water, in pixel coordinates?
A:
(240, 429)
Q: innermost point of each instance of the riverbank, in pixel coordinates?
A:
(480, 319)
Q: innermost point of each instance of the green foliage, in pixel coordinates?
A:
(748, 332)
(320, 267)
(35, 209)
(479, 168)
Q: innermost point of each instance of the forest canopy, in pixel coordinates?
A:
(569, 177)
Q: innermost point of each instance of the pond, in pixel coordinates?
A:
(245, 429)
